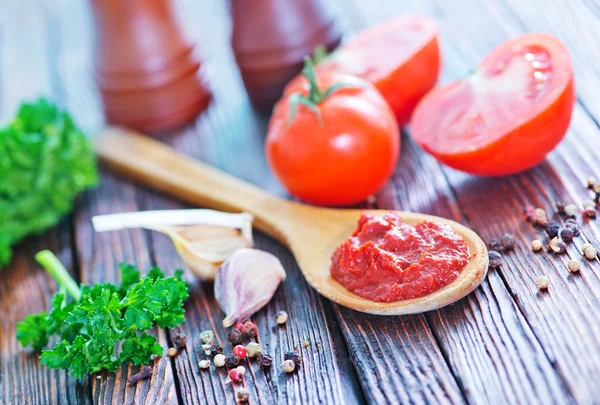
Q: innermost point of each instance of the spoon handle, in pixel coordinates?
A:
(158, 166)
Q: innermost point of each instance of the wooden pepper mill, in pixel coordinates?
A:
(146, 70)
(271, 38)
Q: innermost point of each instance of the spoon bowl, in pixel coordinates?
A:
(311, 233)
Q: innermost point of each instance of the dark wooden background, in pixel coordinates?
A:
(506, 343)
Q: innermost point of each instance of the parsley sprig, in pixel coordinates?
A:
(101, 319)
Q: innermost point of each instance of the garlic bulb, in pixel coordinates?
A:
(203, 238)
(246, 282)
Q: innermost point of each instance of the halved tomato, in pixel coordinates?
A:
(506, 116)
(400, 57)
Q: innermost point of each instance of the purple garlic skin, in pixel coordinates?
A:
(246, 282)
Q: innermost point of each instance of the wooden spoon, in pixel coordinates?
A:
(311, 233)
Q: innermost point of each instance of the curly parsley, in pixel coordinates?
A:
(103, 318)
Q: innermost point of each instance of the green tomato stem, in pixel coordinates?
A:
(50, 262)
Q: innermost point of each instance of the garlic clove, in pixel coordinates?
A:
(246, 282)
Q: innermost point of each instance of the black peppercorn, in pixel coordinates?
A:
(495, 244)
(264, 360)
(552, 230)
(179, 341)
(243, 395)
(573, 226)
(495, 258)
(560, 207)
(234, 336)
(295, 357)
(214, 350)
(232, 360)
(567, 235)
(507, 241)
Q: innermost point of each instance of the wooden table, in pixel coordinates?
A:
(506, 343)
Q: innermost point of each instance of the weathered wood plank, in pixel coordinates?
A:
(486, 341)
(24, 287)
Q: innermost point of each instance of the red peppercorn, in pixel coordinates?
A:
(240, 351)
(238, 326)
(235, 375)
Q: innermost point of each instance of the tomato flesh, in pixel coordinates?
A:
(507, 116)
(400, 57)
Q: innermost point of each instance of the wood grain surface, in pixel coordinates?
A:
(504, 343)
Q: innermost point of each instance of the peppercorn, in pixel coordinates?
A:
(243, 395)
(557, 245)
(508, 241)
(214, 350)
(295, 357)
(179, 341)
(264, 360)
(249, 330)
(241, 369)
(207, 337)
(572, 225)
(232, 360)
(281, 317)
(172, 352)
(253, 349)
(542, 282)
(207, 348)
(238, 326)
(288, 366)
(204, 364)
(496, 245)
(240, 351)
(590, 212)
(596, 188)
(585, 246)
(552, 229)
(235, 375)
(571, 210)
(219, 360)
(591, 182)
(588, 204)
(590, 253)
(536, 245)
(495, 258)
(234, 336)
(567, 235)
(560, 207)
(540, 217)
(574, 265)
(529, 213)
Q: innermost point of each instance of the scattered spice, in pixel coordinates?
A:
(249, 330)
(216, 349)
(536, 245)
(557, 245)
(590, 253)
(234, 336)
(240, 351)
(585, 246)
(588, 204)
(207, 348)
(591, 182)
(219, 360)
(180, 341)
(232, 360)
(246, 282)
(288, 366)
(204, 364)
(238, 326)
(207, 337)
(235, 375)
(560, 207)
(508, 241)
(572, 225)
(281, 317)
(567, 235)
(590, 213)
(552, 229)
(529, 213)
(596, 188)
(243, 395)
(571, 210)
(172, 352)
(293, 356)
(495, 244)
(253, 349)
(264, 360)
(574, 265)
(495, 258)
(542, 282)
(145, 372)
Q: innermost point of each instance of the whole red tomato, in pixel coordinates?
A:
(505, 117)
(332, 139)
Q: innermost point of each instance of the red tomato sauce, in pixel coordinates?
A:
(386, 260)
